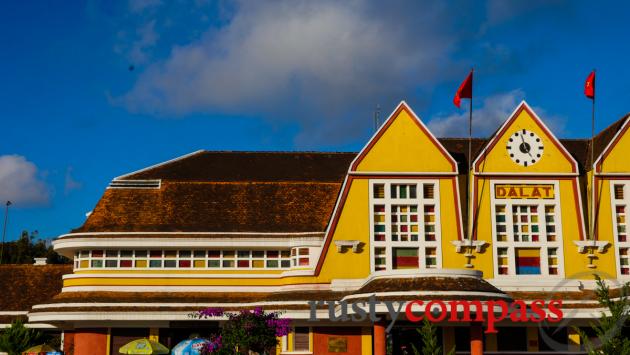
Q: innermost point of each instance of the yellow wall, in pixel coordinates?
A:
(404, 147)
(498, 159)
(617, 159)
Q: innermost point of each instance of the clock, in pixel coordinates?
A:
(525, 147)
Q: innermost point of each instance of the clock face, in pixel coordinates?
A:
(525, 147)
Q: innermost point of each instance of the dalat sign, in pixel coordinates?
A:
(508, 191)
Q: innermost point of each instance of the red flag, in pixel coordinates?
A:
(464, 91)
(589, 86)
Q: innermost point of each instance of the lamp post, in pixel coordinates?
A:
(4, 229)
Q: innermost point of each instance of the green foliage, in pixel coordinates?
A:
(430, 343)
(248, 332)
(28, 247)
(608, 330)
(18, 338)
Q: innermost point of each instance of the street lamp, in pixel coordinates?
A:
(4, 230)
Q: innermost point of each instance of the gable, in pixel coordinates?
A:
(545, 154)
(614, 159)
(403, 144)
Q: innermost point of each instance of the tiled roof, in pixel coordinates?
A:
(251, 166)
(23, 286)
(281, 192)
(216, 207)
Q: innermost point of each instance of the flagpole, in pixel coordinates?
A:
(470, 152)
(594, 208)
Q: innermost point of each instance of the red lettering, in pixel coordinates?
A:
(547, 191)
(429, 314)
(512, 192)
(500, 192)
(555, 311)
(466, 311)
(537, 308)
(409, 313)
(535, 192)
(491, 316)
(519, 311)
(521, 192)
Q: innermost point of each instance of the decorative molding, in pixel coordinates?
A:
(461, 244)
(341, 244)
(585, 245)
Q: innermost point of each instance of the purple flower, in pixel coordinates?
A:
(210, 312)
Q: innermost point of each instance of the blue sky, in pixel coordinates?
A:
(294, 75)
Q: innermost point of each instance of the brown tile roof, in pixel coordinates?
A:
(285, 192)
(251, 166)
(154, 300)
(26, 285)
(221, 207)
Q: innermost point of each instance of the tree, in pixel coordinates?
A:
(430, 344)
(30, 246)
(610, 340)
(245, 331)
(18, 338)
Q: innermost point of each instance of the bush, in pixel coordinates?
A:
(18, 338)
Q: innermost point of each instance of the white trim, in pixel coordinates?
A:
(188, 233)
(31, 326)
(542, 244)
(159, 164)
(437, 173)
(418, 120)
(548, 131)
(12, 313)
(523, 173)
(584, 244)
(150, 304)
(615, 227)
(420, 202)
(425, 293)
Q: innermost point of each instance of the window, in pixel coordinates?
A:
(301, 339)
(300, 257)
(404, 224)
(527, 235)
(620, 208)
(188, 259)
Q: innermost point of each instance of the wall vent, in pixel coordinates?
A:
(134, 184)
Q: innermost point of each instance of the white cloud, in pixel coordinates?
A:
(335, 60)
(141, 5)
(20, 182)
(147, 37)
(488, 117)
(70, 183)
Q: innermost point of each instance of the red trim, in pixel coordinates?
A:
(576, 195)
(618, 137)
(457, 199)
(542, 127)
(342, 202)
(402, 107)
(333, 226)
(578, 210)
(595, 188)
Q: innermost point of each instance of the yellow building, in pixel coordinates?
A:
(284, 230)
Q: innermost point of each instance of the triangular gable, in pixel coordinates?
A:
(496, 156)
(614, 158)
(403, 144)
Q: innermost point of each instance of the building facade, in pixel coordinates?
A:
(409, 218)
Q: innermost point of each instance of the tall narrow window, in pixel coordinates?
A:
(621, 207)
(527, 239)
(301, 339)
(405, 224)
